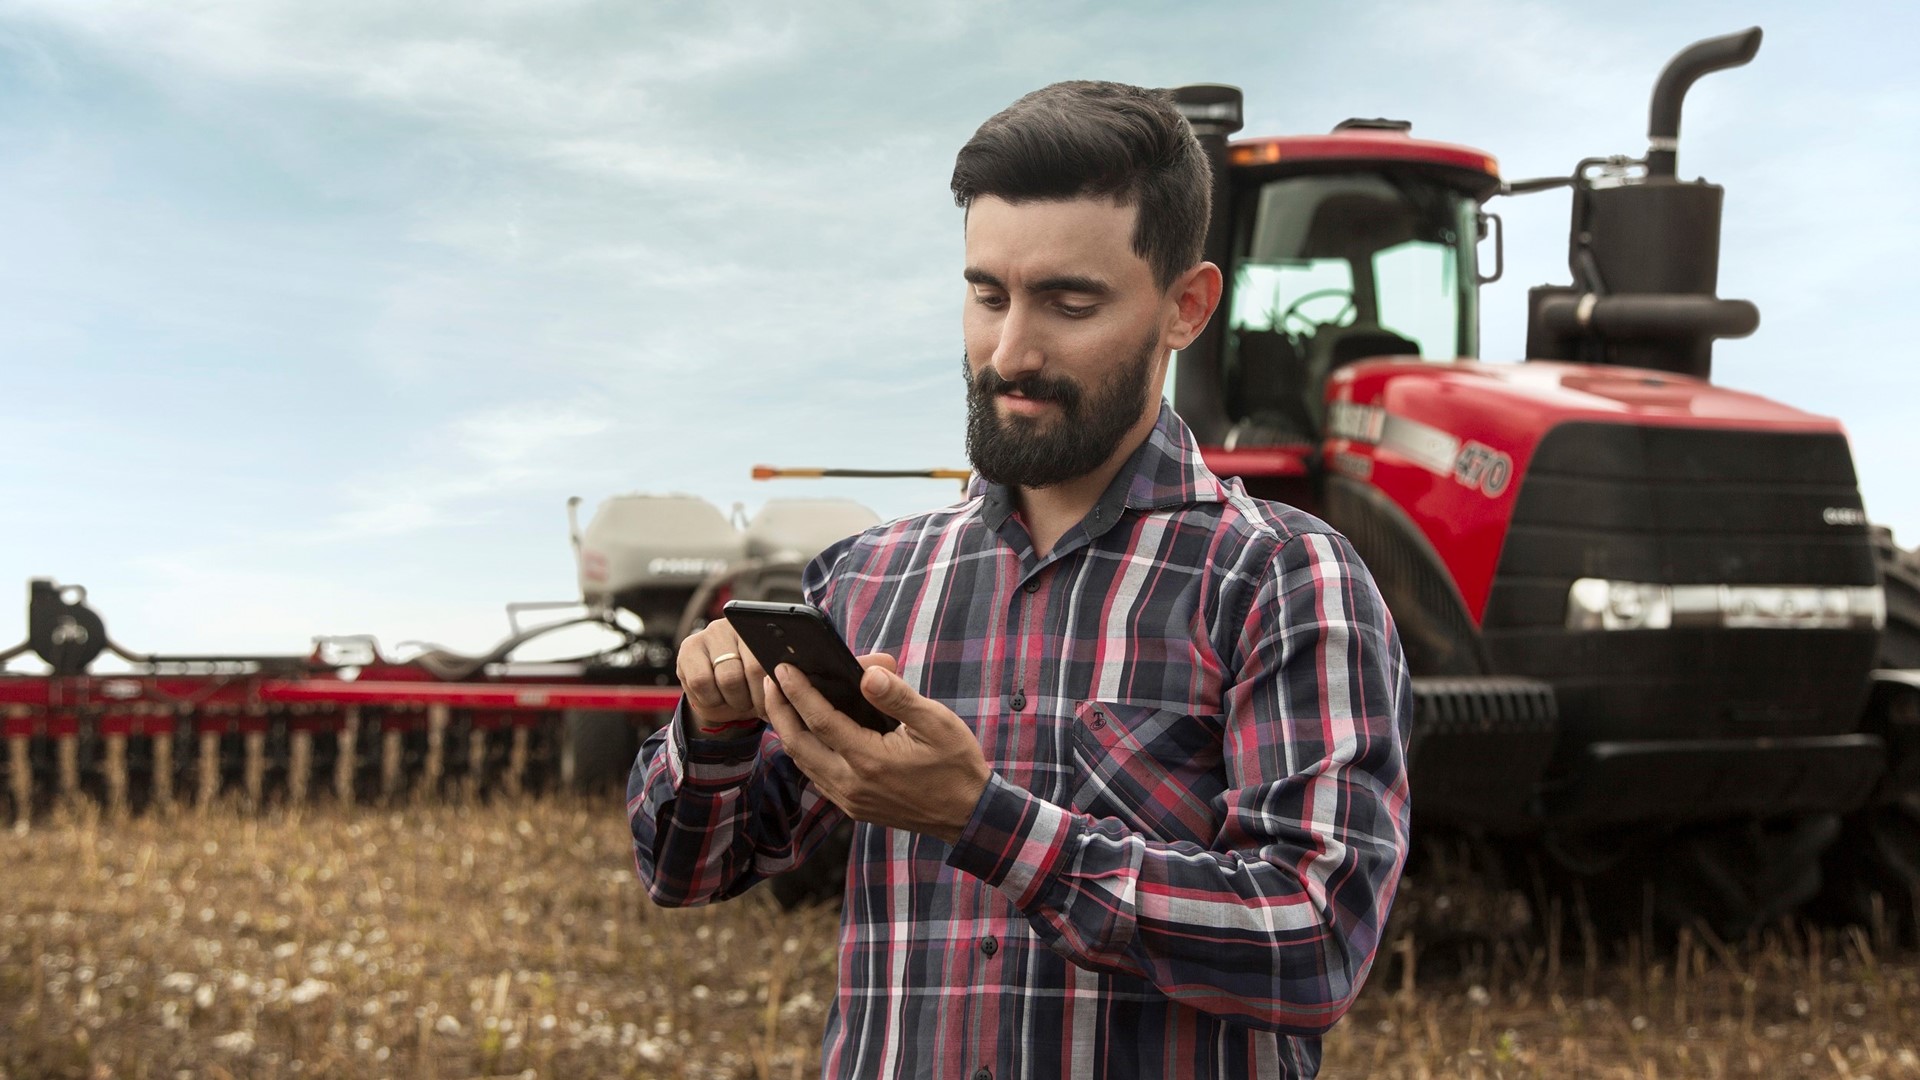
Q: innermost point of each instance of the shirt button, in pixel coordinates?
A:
(988, 946)
(983, 1073)
(1032, 586)
(1018, 701)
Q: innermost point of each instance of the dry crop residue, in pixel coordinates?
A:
(511, 939)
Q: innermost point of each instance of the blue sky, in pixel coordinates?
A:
(312, 316)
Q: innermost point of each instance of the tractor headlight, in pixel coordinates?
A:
(1599, 604)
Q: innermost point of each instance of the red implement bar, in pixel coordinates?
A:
(190, 693)
(473, 695)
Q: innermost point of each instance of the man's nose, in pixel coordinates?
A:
(1017, 354)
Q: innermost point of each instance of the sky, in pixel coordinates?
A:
(312, 316)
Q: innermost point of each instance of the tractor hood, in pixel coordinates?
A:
(1527, 399)
(1451, 443)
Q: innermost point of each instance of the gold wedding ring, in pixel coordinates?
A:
(724, 657)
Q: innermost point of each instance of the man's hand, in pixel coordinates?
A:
(925, 775)
(721, 679)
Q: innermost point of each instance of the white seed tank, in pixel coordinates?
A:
(795, 530)
(650, 554)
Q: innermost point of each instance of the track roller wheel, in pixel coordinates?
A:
(1873, 870)
(1730, 878)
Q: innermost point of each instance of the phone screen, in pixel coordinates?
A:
(800, 635)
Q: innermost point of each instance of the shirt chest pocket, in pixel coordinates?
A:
(1157, 770)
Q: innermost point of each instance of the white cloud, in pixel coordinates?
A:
(467, 469)
(510, 436)
(197, 603)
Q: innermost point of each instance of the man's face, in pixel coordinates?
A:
(1064, 332)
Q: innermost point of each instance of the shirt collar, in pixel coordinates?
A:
(1165, 472)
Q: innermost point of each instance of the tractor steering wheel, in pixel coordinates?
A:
(1293, 309)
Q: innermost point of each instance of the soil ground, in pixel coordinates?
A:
(511, 939)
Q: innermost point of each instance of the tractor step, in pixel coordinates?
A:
(1479, 748)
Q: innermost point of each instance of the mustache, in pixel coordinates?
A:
(986, 384)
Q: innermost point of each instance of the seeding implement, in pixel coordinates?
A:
(348, 722)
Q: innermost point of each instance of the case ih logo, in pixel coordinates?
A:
(1843, 515)
(1361, 423)
(700, 567)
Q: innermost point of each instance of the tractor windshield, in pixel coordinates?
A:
(1336, 267)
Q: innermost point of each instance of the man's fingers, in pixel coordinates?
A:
(880, 660)
(730, 675)
(828, 724)
(756, 683)
(718, 675)
(803, 746)
(694, 667)
(891, 695)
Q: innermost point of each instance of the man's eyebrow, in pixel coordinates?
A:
(1067, 283)
(1072, 283)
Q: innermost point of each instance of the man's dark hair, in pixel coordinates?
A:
(1083, 138)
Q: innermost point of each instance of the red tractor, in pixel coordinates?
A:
(1655, 640)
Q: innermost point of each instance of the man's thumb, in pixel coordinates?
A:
(888, 692)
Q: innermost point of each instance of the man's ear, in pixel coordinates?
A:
(1195, 294)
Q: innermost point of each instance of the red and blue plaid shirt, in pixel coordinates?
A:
(1196, 709)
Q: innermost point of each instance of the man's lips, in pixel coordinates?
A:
(1023, 405)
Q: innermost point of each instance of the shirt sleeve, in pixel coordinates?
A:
(712, 817)
(1275, 924)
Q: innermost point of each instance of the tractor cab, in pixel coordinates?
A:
(1335, 248)
(1335, 261)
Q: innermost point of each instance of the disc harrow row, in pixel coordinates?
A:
(138, 743)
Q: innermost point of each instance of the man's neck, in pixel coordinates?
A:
(1050, 511)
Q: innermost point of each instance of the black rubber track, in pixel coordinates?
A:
(1873, 869)
(1729, 879)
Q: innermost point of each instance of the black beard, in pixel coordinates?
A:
(1019, 452)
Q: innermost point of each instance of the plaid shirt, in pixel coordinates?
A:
(1196, 709)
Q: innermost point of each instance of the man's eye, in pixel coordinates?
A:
(1075, 311)
(989, 300)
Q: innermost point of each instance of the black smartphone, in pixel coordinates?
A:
(800, 635)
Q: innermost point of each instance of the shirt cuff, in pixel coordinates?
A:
(1014, 841)
(708, 762)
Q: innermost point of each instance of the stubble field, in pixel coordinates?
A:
(511, 939)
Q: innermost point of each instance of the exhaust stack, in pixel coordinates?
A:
(1645, 249)
(1216, 112)
(1663, 115)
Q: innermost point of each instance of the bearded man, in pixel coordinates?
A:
(1146, 807)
